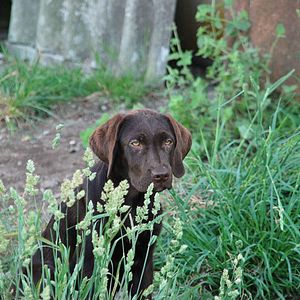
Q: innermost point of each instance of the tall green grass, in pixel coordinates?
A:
(240, 209)
(29, 90)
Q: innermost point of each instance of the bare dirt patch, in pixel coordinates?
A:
(35, 142)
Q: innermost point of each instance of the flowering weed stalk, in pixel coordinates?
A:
(102, 224)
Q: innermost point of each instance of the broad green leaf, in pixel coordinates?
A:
(280, 30)
(228, 3)
(185, 59)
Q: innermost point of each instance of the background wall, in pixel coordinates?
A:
(130, 35)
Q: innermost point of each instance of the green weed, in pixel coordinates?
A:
(28, 90)
(125, 89)
(237, 76)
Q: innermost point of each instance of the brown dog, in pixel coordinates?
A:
(142, 146)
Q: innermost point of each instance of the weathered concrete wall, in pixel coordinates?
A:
(126, 35)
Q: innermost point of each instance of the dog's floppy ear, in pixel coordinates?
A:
(182, 147)
(104, 139)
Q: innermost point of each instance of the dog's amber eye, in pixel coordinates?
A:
(168, 142)
(135, 143)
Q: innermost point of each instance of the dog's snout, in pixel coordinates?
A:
(160, 175)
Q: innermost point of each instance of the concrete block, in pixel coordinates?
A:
(49, 27)
(159, 45)
(23, 22)
(125, 35)
(76, 40)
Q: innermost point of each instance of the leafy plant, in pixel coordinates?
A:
(225, 42)
(236, 79)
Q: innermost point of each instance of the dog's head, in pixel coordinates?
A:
(142, 146)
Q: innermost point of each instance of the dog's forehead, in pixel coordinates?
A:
(146, 122)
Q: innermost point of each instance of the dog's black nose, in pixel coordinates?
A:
(160, 176)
